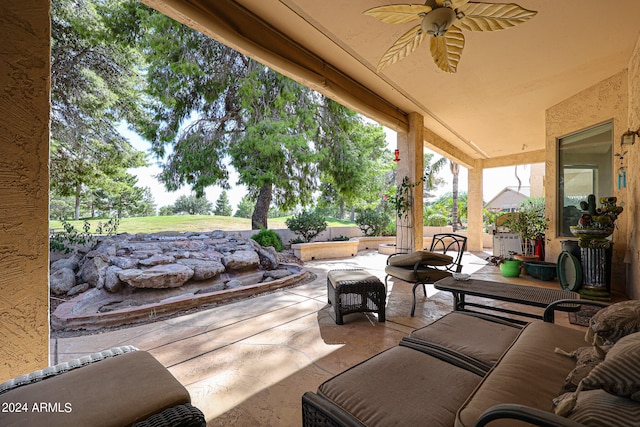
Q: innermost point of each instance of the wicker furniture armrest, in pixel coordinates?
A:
(320, 412)
(560, 305)
(185, 415)
(61, 368)
(530, 415)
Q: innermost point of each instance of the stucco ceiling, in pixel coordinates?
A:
(492, 107)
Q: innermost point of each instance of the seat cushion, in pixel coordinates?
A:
(480, 337)
(337, 276)
(409, 260)
(424, 275)
(401, 387)
(530, 373)
(117, 391)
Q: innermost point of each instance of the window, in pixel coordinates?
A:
(585, 164)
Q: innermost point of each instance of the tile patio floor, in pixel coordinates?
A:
(248, 363)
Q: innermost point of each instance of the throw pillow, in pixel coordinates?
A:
(619, 373)
(409, 260)
(587, 358)
(614, 322)
(598, 408)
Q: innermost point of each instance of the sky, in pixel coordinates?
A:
(495, 179)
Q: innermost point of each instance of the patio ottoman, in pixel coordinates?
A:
(355, 291)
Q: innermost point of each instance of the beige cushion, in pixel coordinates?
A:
(408, 275)
(597, 408)
(401, 387)
(530, 373)
(481, 338)
(117, 391)
(614, 322)
(619, 373)
(409, 260)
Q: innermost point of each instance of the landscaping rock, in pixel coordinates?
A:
(71, 263)
(93, 269)
(112, 282)
(157, 277)
(277, 274)
(124, 262)
(62, 280)
(241, 260)
(157, 259)
(203, 269)
(233, 283)
(78, 289)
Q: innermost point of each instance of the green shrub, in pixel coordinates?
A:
(307, 224)
(66, 241)
(372, 222)
(268, 238)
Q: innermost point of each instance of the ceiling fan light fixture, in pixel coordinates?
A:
(438, 21)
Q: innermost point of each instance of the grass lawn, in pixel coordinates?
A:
(154, 224)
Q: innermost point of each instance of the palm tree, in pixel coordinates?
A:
(455, 171)
(431, 181)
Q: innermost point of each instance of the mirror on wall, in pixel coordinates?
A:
(585, 166)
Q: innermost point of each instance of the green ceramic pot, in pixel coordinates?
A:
(510, 267)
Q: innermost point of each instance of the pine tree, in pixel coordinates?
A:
(223, 207)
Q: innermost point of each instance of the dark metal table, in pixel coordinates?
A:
(525, 295)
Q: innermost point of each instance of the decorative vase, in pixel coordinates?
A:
(510, 267)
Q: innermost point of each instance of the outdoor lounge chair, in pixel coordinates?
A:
(443, 258)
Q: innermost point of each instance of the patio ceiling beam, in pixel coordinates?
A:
(527, 158)
(229, 23)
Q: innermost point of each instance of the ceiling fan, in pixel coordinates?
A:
(444, 21)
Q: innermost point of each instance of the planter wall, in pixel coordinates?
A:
(325, 250)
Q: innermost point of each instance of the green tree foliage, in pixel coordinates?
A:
(444, 204)
(307, 224)
(268, 238)
(166, 211)
(373, 222)
(95, 85)
(216, 107)
(223, 207)
(245, 207)
(192, 205)
(352, 153)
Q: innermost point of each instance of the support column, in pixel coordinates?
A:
(24, 210)
(474, 210)
(411, 165)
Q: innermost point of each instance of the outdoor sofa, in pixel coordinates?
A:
(117, 387)
(474, 370)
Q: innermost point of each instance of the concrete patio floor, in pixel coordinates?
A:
(248, 363)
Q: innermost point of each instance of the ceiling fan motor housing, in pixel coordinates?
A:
(438, 21)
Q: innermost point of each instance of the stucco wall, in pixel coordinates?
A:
(605, 101)
(24, 183)
(632, 256)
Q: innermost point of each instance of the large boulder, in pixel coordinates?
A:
(157, 277)
(267, 254)
(241, 260)
(157, 259)
(203, 269)
(112, 282)
(61, 281)
(93, 270)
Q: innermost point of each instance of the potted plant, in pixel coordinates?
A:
(510, 267)
(531, 223)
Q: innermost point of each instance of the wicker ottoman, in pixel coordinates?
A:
(355, 291)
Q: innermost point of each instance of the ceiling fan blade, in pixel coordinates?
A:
(493, 16)
(398, 13)
(455, 4)
(402, 47)
(447, 50)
